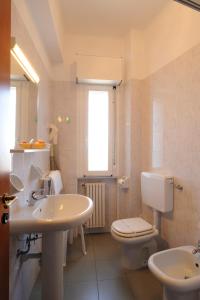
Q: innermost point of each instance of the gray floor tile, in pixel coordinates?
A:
(139, 279)
(99, 237)
(105, 248)
(116, 289)
(108, 269)
(74, 251)
(79, 271)
(81, 291)
(104, 239)
(103, 264)
(36, 294)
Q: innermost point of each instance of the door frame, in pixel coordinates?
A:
(5, 34)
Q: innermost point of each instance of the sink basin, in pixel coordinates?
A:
(56, 212)
(178, 269)
(62, 212)
(51, 216)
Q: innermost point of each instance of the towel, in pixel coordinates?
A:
(56, 182)
(53, 134)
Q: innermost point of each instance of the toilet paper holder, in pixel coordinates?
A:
(123, 182)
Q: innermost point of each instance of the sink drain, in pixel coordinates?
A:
(186, 277)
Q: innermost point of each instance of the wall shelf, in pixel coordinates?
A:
(29, 150)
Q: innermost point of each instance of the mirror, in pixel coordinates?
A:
(23, 106)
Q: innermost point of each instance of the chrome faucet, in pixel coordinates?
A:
(197, 249)
(35, 196)
(38, 195)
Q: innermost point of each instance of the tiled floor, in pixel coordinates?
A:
(99, 276)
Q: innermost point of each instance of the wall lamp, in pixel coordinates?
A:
(22, 60)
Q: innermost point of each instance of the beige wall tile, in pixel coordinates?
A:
(176, 129)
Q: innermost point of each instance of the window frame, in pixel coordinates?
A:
(83, 94)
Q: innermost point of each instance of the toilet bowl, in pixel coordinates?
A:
(137, 238)
(136, 235)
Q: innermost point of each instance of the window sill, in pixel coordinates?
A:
(97, 177)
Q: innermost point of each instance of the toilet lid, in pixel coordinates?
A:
(132, 227)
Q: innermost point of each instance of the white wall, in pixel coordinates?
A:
(171, 33)
(168, 69)
(85, 45)
(64, 103)
(170, 141)
(134, 55)
(98, 68)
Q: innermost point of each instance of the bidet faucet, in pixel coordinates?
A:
(197, 249)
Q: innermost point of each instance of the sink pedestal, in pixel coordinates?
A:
(170, 294)
(52, 265)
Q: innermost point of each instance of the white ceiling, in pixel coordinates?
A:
(42, 16)
(108, 17)
(49, 20)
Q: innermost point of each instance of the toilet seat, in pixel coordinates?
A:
(132, 227)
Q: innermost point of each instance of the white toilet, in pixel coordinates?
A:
(136, 235)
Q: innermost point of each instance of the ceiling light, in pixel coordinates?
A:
(22, 60)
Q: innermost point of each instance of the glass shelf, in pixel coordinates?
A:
(28, 150)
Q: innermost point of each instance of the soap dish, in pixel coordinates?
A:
(39, 145)
(25, 145)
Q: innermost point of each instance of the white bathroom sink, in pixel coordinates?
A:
(51, 216)
(54, 213)
(178, 269)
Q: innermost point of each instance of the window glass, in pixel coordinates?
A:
(12, 117)
(98, 130)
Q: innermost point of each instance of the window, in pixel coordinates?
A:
(96, 131)
(7, 130)
(12, 117)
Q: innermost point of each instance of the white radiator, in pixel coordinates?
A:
(96, 191)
